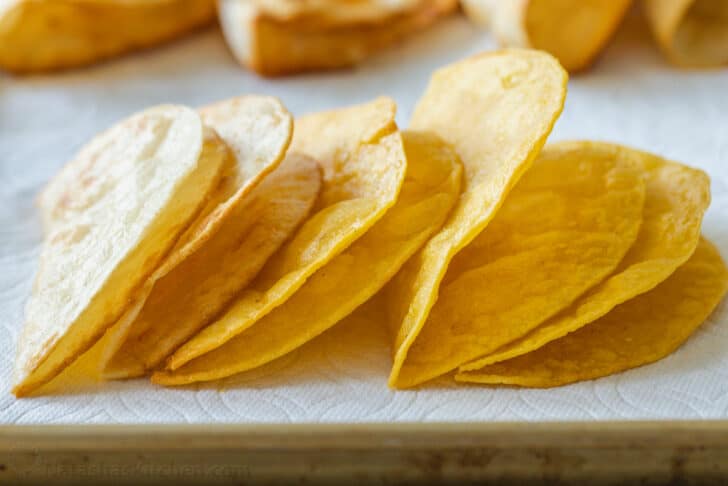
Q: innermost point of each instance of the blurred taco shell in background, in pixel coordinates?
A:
(46, 35)
(275, 37)
(573, 31)
(692, 33)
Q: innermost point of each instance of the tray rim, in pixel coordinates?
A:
(411, 435)
(481, 453)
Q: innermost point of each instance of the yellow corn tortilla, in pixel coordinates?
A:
(677, 198)
(563, 229)
(45, 35)
(692, 33)
(496, 110)
(134, 189)
(573, 31)
(430, 189)
(364, 165)
(184, 299)
(640, 331)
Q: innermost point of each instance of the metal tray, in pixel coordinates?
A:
(554, 453)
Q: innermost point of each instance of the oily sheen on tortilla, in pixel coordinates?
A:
(430, 189)
(364, 165)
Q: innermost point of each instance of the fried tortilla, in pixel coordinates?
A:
(364, 165)
(564, 228)
(46, 35)
(573, 31)
(691, 33)
(430, 189)
(677, 197)
(640, 331)
(496, 110)
(131, 192)
(275, 37)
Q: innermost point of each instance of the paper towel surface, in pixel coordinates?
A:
(631, 97)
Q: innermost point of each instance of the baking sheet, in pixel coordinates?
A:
(631, 97)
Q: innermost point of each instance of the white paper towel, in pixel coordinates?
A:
(631, 97)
